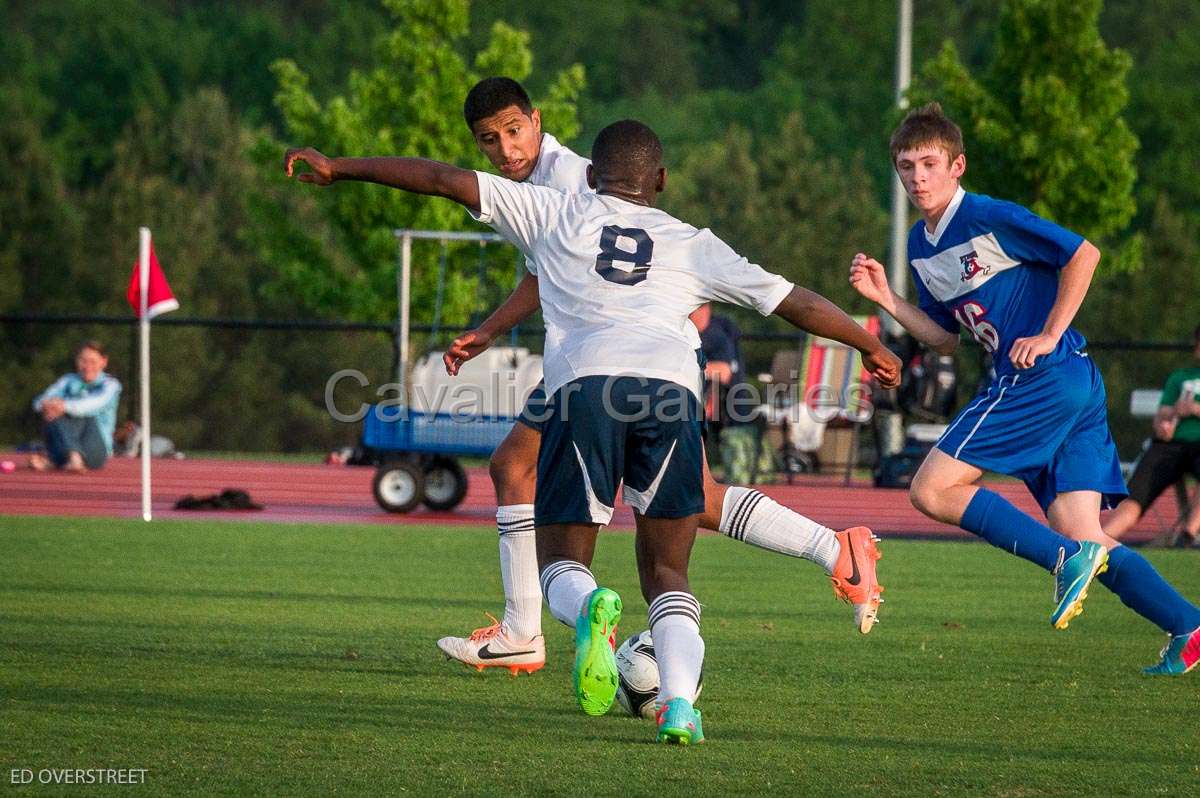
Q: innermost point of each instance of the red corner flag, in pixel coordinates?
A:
(159, 298)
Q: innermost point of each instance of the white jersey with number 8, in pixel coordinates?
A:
(617, 280)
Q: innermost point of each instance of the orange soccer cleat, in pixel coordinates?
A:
(853, 577)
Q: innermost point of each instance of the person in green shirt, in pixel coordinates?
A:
(1174, 452)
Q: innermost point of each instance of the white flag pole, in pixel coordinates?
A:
(144, 335)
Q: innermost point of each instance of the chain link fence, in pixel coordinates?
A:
(264, 386)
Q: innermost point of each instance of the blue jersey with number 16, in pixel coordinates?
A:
(992, 266)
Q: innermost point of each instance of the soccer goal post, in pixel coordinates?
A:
(404, 271)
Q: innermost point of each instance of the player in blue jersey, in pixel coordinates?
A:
(1015, 282)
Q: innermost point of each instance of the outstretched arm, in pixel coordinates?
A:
(814, 313)
(418, 175)
(520, 305)
(869, 278)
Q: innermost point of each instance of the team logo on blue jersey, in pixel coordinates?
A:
(971, 266)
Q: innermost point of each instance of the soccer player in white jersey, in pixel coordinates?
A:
(507, 129)
(617, 282)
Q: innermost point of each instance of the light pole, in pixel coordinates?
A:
(892, 426)
(897, 256)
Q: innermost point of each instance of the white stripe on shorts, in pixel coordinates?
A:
(964, 414)
(985, 413)
(600, 512)
(641, 500)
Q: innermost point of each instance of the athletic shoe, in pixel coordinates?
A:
(595, 675)
(1179, 655)
(491, 647)
(853, 577)
(679, 723)
(1072, 578)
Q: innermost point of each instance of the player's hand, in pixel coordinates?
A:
(53, 408)
(463, 348)
(1026, 351)
(869, 278)
(884, 367)
(1164, 428)
(322, 167)
(718, 371)
(1187, 406)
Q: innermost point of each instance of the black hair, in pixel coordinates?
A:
(492, 95)
(627, 147)
(1196, 334)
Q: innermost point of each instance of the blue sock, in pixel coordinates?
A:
(1143, 590)
(995, 520)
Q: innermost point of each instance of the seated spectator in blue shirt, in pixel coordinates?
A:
(80, 411)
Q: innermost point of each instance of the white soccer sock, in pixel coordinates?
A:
(519, 571)
(565, 584)
(675, 628)
(751, 517)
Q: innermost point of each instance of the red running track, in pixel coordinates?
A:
(292, 492)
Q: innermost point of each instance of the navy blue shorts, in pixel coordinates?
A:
(1049, 428)
(602, 431)
(535, 412)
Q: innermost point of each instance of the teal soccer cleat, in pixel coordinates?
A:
(1072, 578)
(595, 675)
(1179, 655)
(679, 723)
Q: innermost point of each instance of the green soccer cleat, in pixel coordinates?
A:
(1072, 578)
(1179, 655)
(679, 723)
(595, 675)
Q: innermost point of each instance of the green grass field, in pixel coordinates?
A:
(251, 659)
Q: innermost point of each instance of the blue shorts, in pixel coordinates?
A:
(1049, 428)
(602, 431)
(535, 412)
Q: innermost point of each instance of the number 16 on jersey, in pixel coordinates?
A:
(971, 315)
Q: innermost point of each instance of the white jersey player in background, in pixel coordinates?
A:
(507, 129)
(618, 280)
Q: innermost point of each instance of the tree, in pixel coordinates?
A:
(842, 53)
(782, 204)
(40, 232)
(1164, 109)
(1043, 120)
(410, 103)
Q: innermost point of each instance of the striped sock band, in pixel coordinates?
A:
(751, 517)
(514, 519)
(565, 585)
(675, 602)
(735, 514)
(678, 647)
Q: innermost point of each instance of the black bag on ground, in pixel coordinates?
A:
(228, 499)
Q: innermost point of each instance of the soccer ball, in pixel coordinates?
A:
(637, 676)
